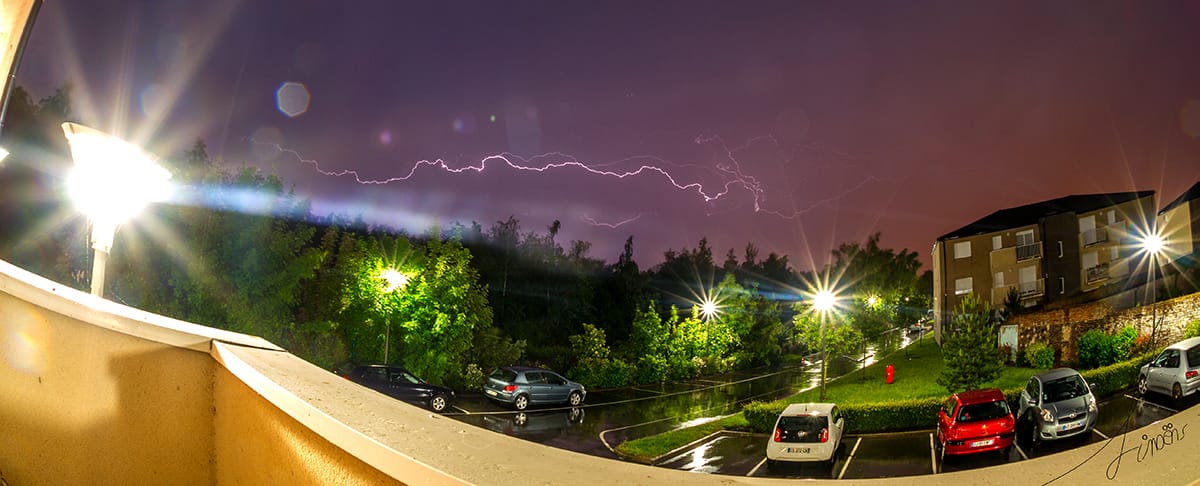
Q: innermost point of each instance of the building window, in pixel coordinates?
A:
(997, 242)
(1062, 285)
(962, 286)
(1112, 216)
(1114, 254)
(1060, 249)
(1025, 238)
(999, 280)
(962, 249)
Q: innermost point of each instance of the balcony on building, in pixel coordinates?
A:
(1096, 274)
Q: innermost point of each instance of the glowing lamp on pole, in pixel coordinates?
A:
(1152, 245)
(111, 183)
(824, 302)
(394, 280)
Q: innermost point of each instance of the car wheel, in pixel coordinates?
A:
(1142, 386)
(575, 399)
(438, 403)
(1177, 392)
(521, 402)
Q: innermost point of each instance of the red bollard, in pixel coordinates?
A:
(891, 372)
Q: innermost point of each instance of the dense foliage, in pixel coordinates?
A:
(1097, 348)
(969, 347)
(1039, 355)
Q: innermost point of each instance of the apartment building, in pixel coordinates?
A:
(1179, 226)
(1072, 249)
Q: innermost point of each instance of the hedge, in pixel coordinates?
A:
(921, 413)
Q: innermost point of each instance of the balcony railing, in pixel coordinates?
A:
(1032, 289)
(1094, 236)
(1096, 273)
(1028, 251)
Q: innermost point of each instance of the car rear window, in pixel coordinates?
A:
(983, 411)
(802, 428)
(1193, 356)
(507, 376)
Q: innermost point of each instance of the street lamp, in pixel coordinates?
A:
(111, 183)
(394, 280)
(823, 302)
(1153, 246)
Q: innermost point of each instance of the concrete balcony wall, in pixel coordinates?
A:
(92, 392)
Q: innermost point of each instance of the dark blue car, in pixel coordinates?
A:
(398, 383)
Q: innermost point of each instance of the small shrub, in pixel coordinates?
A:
(1113, 378)
(1040, 356)
(1006, 353)
(1192, 329)
(1122, 344)
(1140, 346)
(603, 373)
(1094, 348)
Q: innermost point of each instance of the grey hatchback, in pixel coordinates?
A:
(1058, 404)
(522, 386)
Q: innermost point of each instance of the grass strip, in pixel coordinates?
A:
(647, 449)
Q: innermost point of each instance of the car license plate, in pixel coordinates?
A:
(1071, 426)
(797, 450)
(491, 392)
(982, 443)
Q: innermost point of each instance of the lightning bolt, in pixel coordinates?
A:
(589, 220)
(729, 168)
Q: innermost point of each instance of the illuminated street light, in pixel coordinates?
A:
(111, 183)
(709, 309)
(395, 281)
(824, 303)
(1152, 245)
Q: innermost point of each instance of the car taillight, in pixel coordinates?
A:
(510, 388)
(778, 435)
(1192, 374)
(825, 434)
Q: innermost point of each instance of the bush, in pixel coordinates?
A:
(1113, 378)
(603, 373)
(1040, 356)
(1192, 330)
(1098, 349)
(651, 369)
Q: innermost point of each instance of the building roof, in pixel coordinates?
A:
(1188, 195)
(1033, 213)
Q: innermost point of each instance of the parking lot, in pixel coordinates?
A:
(903, 454)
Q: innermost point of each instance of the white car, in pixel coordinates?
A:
(1175, 372)
(806, 432)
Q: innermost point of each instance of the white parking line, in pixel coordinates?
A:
(933, 454)
(1148, 402)
(638, 388)
(460, 409)
(756, 466)
(1101, 434)
(851, 458)
(1022, 451)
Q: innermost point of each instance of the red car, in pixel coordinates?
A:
(975, 421)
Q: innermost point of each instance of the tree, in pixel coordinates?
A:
(439, 311)
(969, 347)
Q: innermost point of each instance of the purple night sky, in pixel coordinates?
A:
(793, 125)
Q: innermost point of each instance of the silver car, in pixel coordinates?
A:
(1058, 404)
(1175, 372)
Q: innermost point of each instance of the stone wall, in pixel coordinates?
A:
(1061, 328)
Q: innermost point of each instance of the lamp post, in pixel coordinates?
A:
(395, 280)
(823, 303)
(1153, 246)
(111, 183)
